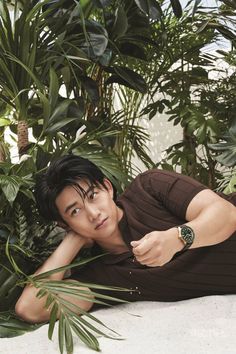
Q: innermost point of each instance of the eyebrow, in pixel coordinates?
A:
(70, 206)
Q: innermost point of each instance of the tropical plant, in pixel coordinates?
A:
(184, 88)
(64, 64)
(87, 56)
(71, 318)
(25, 242)
(30, 239)
(223, 21)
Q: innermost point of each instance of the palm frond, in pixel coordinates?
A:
(71, 316)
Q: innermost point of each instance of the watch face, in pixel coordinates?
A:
(187, 234)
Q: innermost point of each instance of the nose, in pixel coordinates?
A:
(92, 211)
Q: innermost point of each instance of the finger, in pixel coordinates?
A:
(151, 262)
(135, 243)
(142, 248)
(147, 260)
(138, 242)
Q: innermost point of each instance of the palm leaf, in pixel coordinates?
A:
(69, 320)
(11, 326)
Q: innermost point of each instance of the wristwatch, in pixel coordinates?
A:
(186, 235)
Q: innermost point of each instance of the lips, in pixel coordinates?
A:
(99, 225)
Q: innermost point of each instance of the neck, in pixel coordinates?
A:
(115, 244)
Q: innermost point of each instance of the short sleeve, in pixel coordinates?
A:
(175, 191)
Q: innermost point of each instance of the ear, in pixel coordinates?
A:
(109, 187)
(63, 225)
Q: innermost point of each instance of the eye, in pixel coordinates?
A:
(92, 195)
(75, 211)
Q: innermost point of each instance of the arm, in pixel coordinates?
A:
(212, 218)
(28, 306)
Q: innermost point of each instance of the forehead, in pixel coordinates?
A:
(74, 192)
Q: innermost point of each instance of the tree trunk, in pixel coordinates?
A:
(2, 152)
(23, 137)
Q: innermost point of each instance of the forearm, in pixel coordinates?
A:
(28, 306)
(62, 256)
(214, 224)
(212, 219)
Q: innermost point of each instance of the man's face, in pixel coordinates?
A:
(95, 216)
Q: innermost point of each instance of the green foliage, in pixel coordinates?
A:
(72, 318)
(64, 65)
(226, 148)
(11, 326)
(204, 107)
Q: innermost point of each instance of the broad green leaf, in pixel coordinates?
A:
(86, 7)
(46, 107)
(12, 327)
(199, 72)
(120, 25)
(226, 150)
(177, 8)
(132, 50)
(129, 78)
(27, 70)
(151, 8)
(91, 88)
(10, 186)
(96, 39)
(53, 88)
(24, 169)
(59, 112)
(231, 188)
(4, 122)
(106, 57)
(57, 126)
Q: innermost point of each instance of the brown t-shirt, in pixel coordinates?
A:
(158, 200)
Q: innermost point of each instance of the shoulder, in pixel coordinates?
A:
(170, 189)
(164, 180)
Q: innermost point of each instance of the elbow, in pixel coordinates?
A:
(233, 217)
(23, 311)
(230, 221)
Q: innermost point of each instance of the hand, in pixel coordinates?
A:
(157, 247)
(83, 241)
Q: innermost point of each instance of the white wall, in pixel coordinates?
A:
(163, 134)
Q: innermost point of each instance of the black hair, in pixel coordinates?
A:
(65, 171)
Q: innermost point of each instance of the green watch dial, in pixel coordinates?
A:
(186, 234)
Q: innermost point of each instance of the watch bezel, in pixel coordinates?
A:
(186, 238)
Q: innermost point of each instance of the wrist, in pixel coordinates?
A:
(74, 239)
(186, 235)
(178, 244)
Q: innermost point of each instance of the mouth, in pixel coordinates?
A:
(100, 225)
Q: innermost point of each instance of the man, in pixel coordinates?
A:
(168, 237)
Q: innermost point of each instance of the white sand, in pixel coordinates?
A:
(201, 326)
